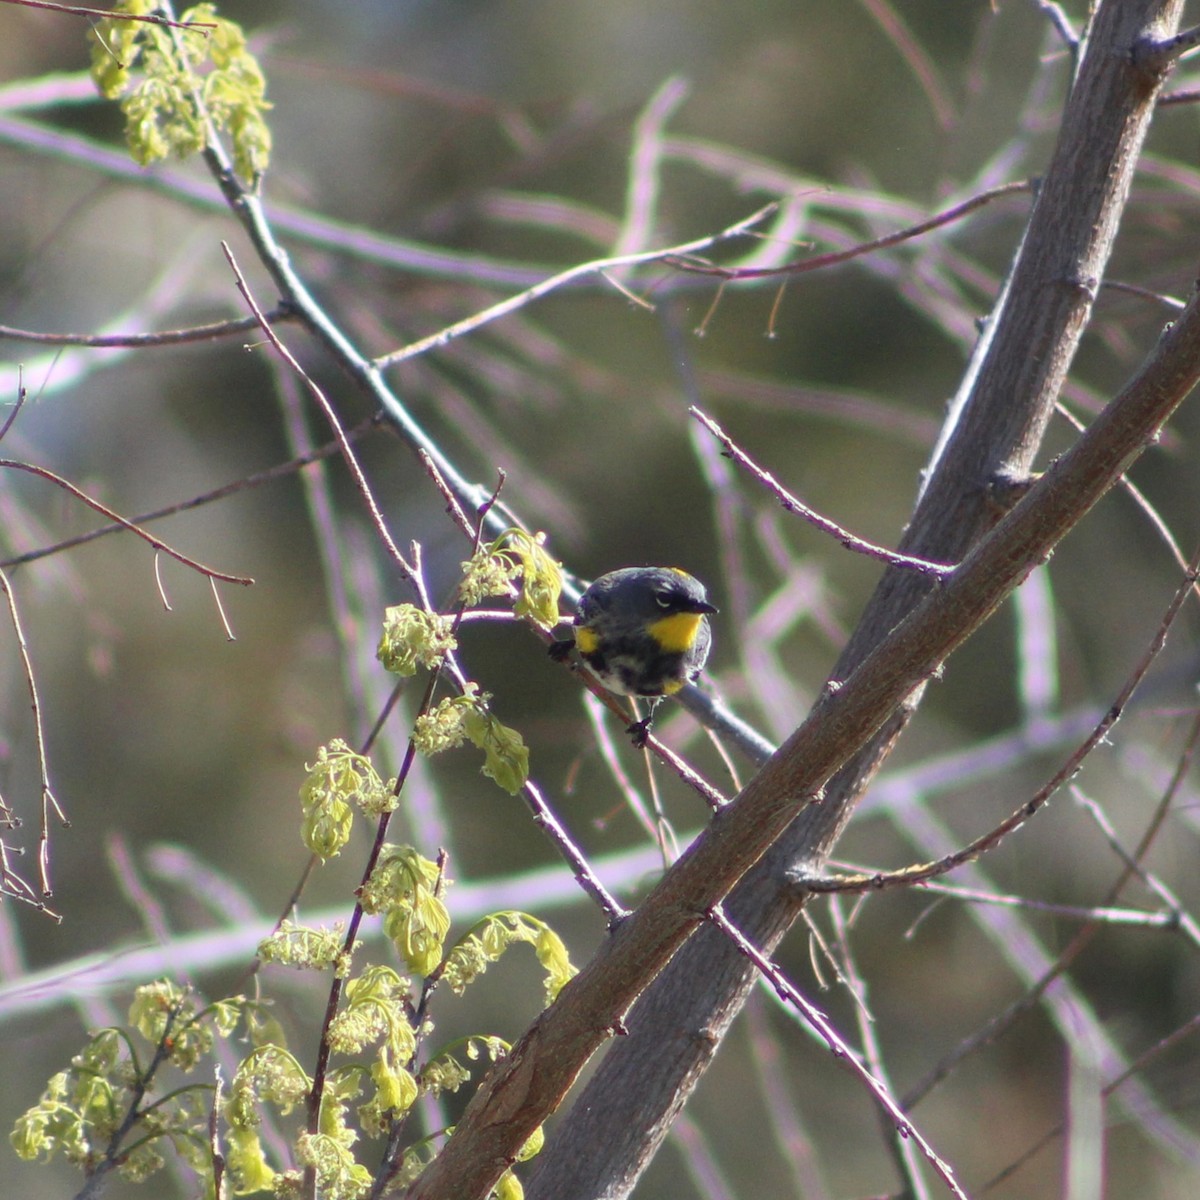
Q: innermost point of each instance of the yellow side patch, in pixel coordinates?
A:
(586, 640)
(675, 633)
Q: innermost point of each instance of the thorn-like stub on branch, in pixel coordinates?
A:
(801, 877)
(1157, 56)
(1006, 487)
(617, 920)
(1088, 285)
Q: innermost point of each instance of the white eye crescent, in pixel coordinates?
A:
(662, 599)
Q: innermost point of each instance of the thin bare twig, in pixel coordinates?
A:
(919, 62)
(901, 1147)
(356, 471)
(1002, 1021)
(597, 266)
(216, 595)
(610, 756)
(585, 876)
(1181, 918)
(646, 153)
(1139, 498)
(39, 736)
(820, 261)
(214, 1137)
(160, 585)
(280, 471)
(791, 504)
(1060, 21)
(75, 10)
(1136, 1067)
(15, 410)
(142, 341)
(157, 543)
(1106, 914)
(453, 508)
(788, 992)
(990, 840)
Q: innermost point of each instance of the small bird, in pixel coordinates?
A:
(642, 631)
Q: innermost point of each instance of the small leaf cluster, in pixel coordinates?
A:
(107, 1090)
(308, 949)
(105, 1096)
(404, 889)
(185, 79)
(456, 719)
(413, 637)
(336, 783)
(269, 1074)
(379, 1019)
(492, 936)
(494, 570)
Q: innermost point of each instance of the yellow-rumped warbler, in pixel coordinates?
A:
(642, 631)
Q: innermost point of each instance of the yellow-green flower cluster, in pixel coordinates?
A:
(443, 1073)
(403, 888)
(412, 637)
(515, 554)
(338, 779)
(268, 1074)
(71, 1113)
(340, 1176)
(457, 718)
(83, 1107)
(492, 936)
(442, 726)
(186, 76)
(163, 1012)
(376, 1012)
(299, 946)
